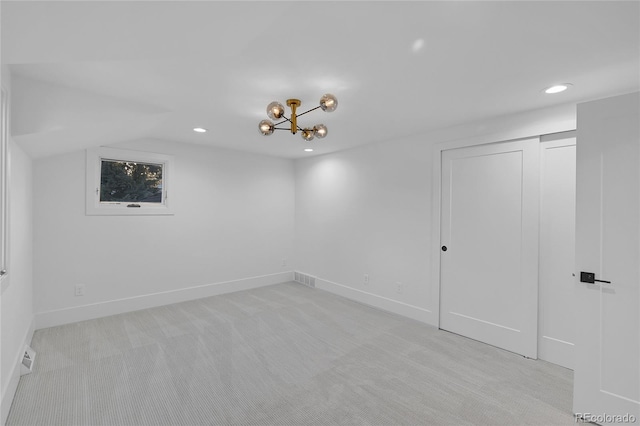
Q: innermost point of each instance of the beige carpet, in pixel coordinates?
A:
(280, 355)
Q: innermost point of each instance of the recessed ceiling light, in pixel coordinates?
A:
(308, 150)
(557, 88)
(417, 45)
(199, 130)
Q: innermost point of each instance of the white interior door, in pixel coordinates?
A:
(556, 310)
(607, 363)
(489, 271)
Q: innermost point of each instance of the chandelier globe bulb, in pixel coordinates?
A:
(307, 134)
(328, 103)
(266, 127)
(320, 130)
(275, 110)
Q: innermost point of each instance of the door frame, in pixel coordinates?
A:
(512, 130)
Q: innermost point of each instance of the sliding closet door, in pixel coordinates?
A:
(489, 239)
(557, 308)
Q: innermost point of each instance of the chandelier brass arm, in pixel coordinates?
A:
(290, 121)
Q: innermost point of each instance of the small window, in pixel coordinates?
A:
(121, 182)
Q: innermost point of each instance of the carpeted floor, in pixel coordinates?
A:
(280, 355)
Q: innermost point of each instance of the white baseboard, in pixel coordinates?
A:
(12, 385)
(410, 311)
(119, 306)
(556, 351)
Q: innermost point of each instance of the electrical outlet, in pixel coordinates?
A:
(366, 279)
(284, 262)
(399, 287)
(79, 290)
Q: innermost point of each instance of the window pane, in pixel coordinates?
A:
(127, 181)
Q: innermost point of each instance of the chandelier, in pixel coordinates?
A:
(275, 111)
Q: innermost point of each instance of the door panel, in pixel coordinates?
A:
(607, 371)
(490, 226)
(556, 319)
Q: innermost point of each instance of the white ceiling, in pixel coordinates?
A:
(87, 73)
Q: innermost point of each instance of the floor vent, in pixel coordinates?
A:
(308, 280)
(27, 361)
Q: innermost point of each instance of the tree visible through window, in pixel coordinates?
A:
(127, 181)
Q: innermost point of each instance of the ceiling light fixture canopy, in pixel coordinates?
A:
(276, 111)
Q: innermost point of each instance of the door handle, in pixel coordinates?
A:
(3, 272)
(590, 278)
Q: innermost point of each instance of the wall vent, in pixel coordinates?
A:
(26, 367)
(308, 280)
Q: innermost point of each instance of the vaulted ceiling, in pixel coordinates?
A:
(88, 73)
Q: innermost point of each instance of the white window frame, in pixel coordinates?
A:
(96, 207)
(4, 189)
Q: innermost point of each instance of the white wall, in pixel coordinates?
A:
(367, 211)
(375, 210)
(232, 228)
(16, 300)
